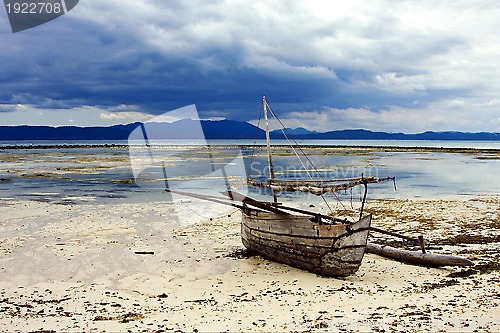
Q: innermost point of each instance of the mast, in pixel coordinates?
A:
(268, 141)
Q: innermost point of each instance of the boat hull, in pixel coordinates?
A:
(327, 249)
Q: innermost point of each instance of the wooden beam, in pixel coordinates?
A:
(416, 257)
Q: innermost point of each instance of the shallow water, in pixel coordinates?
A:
(69, 175)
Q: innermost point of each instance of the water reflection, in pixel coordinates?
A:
(87, 174)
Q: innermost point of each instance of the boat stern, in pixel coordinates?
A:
(347, 252)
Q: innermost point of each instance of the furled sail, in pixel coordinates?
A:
(316, 187)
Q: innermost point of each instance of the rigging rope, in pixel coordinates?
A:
(307, 158)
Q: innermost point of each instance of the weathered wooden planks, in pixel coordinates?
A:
(332, 250)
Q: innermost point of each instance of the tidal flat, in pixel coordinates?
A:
(120, 267)
(84, 247)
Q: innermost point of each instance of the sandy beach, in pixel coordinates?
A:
(117, 267)
(236, 166)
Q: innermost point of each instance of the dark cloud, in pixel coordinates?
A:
(223, 56)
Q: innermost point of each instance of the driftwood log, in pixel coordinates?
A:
(417, 257)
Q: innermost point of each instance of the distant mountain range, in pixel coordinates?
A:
(220, 129)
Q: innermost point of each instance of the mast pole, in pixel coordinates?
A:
(365, 183)
(268, 141)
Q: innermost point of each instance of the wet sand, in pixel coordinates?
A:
(120, 267)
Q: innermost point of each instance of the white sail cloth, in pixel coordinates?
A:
(314, 187)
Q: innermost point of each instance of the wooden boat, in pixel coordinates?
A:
(323, 244)
(307, 240)
(302, 242)
(304, 239)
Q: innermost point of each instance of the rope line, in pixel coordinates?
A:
(290, 138)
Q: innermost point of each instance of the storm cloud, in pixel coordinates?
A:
(380, 65)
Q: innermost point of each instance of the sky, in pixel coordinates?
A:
(383, 65)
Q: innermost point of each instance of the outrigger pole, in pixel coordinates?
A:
(268, 206)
